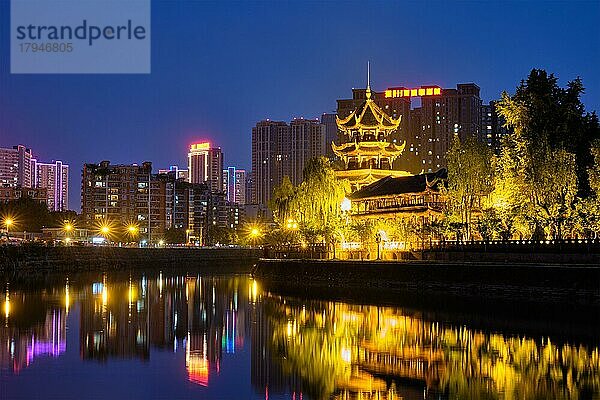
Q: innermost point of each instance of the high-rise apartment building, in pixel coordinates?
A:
(267, 158)
(492, 127)
(394, 106)
(205, 165)
(234, 185)
(454, 113)
(15, 167)
(429, 129)
(54, 177)
(331, 132)
(120, 195)
(306, 141)
(279, 150)
(179, 173)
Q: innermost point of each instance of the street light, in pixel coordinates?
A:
(8, 222)
(68, 228)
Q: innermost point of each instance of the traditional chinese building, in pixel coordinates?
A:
(365, 147)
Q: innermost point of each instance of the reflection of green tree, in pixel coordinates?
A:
(462, 363)
(312, 350)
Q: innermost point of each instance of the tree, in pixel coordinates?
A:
(537, 170)
(314, 204)
(553, 118)
(175, 235)
(469, 178)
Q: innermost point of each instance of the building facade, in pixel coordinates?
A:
(15, 193)
(205, 165)
(15, 167)
(429, 129)
(54, 177)
(267, 158)
(280, 150)
(234, 185)
(117, 196)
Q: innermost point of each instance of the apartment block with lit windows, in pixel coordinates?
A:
(280, 150)
(205, 165)
(120, 195)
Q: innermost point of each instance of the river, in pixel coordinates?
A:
(155, 335)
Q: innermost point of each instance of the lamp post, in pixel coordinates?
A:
(378, 240)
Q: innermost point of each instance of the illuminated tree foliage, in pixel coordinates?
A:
(314, 204)
(469, 179)
(537, 171)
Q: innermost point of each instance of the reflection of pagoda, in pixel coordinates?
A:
(367, 154)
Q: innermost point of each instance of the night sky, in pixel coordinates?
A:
(218, 68)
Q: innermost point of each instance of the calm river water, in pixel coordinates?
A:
(203, 337)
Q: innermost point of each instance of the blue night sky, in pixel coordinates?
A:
(218, 68)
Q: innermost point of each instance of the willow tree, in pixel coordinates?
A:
(282, 201)
(315, 203)
(469, 179)
(319, 197)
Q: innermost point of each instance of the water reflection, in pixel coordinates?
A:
(352, 351)
(216, 328)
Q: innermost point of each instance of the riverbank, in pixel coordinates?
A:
(573, 284)
(33, 261)
(516, 298)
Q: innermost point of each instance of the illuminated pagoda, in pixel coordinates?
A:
(365, 149)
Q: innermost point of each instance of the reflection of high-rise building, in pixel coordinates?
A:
(54, 177)
(114, 321)
(205, 165)
(234, 185)
(46, 337)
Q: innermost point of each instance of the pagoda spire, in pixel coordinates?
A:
(368, 79)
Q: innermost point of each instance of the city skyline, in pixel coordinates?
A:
(202, 85)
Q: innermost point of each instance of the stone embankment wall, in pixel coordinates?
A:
(17, 261)
(576, 284)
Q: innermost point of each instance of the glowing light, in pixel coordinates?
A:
(346, 205)
(104, 295)
(346, 355)
(132, 229)
(7, 305)
(8, 222)
(200, 146)
(422, 91)
(67, 300)
(161, 242)
(68, 227)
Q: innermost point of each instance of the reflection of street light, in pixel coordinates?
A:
(187, 236)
